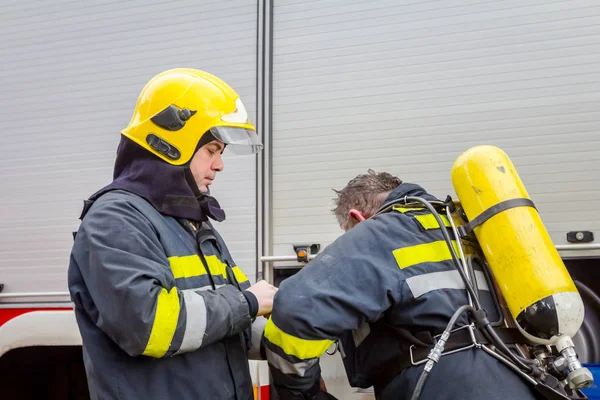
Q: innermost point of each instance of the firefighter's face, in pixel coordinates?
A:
(206, 163)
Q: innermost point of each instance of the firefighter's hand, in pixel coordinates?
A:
(322, 385)
(264, 293)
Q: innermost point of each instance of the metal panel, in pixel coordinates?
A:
(72, 72)
(264, 112)
(408, 86)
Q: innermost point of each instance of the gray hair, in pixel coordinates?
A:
(366, 193)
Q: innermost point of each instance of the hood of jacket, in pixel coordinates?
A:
(170, 189)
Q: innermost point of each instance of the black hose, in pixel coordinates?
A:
(509, 364)
(451, 248)
(436, 353)
(471, 270)
(490, 283)
(595, 298)
(588, 331)
(420, 383)
(521, 362)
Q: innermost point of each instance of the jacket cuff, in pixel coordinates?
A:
(252, 303)
(240, 310)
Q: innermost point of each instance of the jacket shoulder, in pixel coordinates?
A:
(118, 207)
(121, 200)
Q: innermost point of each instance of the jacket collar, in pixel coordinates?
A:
(408, 190)
(169, 188)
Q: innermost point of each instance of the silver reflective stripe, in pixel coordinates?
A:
(201, 288)
(195, 326)
(288, 367)
(361, 333)
(481, 281)
(421, 284)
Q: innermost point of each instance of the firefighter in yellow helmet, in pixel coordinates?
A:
(163, 309)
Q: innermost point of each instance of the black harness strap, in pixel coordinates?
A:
(459, 339)
(467, 228)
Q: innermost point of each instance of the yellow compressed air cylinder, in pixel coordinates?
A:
(533, 279)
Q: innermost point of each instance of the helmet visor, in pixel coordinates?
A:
(240, 140)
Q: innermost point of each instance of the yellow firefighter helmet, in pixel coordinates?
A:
(178, 106)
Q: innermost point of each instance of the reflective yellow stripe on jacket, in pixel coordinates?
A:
(165, 323)
(428, 221)
(189, 266)
(186, 266)
(239, 275)
(421, 253)
(404, 210)
(216, 266)
(295, 346)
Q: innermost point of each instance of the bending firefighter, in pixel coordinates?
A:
(413, 310)
(163, 309)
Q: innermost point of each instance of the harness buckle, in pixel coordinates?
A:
(471, 345)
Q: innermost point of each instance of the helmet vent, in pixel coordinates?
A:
(163, 147)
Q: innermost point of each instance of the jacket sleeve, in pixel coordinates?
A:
(252, 335)
(132, 295)
(354, 280)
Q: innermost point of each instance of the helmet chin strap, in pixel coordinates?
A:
(208, 204)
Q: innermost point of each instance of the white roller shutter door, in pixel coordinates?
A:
(406, 87)
(72, 72)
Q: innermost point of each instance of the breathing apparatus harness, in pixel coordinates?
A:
(480, 333)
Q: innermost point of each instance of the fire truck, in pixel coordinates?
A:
(334, 87)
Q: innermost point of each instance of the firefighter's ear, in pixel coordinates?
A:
(356, 215)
